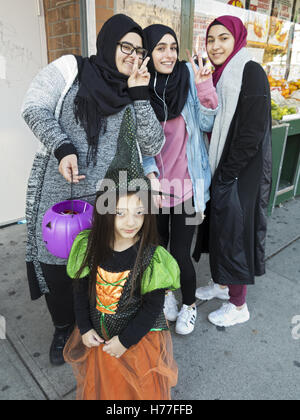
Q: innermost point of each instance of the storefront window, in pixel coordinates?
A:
(207, 10)
(148, 12)
(295, 57)
(273, 40)
(267, 35)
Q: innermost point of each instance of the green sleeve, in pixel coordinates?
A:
(162, 273)
(77, 255)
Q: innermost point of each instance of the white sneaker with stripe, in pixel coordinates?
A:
(186, 319)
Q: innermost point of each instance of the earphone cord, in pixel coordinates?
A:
(163, 99)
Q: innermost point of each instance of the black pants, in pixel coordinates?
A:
(60, 299)
(180, 236)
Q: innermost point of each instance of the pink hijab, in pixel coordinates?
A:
(238, 31)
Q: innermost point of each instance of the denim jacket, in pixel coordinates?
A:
(198, 119)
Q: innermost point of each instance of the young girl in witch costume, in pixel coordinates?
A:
(122, 349)
(74, 106)
(185, 102)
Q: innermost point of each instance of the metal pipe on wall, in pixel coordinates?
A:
(83, 28)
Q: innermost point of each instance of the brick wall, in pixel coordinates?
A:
(104, 10)
(62, 20)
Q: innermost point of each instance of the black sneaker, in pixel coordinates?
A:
(60, 338)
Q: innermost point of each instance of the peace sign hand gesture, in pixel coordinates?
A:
(202, 73)
(139, 76)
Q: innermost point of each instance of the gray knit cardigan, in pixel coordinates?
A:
(48, 111)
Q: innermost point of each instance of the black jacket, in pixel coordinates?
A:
(236, 222)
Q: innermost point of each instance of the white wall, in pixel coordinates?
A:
(23, 52)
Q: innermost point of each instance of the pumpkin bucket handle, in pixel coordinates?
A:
(72, 200)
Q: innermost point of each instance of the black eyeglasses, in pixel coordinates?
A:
(128, 49)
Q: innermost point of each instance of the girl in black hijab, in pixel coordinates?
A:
(174, 86)
(184, 100)
(75, 107)
(103, 88)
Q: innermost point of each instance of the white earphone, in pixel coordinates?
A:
(163, 99)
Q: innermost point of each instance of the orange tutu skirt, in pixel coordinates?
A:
(146, 371)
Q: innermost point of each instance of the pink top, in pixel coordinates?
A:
(172, 161)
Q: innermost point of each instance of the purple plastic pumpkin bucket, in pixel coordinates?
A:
(62, 223)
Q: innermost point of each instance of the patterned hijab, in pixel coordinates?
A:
(236, 27)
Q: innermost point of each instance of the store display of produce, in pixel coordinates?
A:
(279, 111)
(285, 98)
(286, 88)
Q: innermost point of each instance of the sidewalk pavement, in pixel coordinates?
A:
(257, 360)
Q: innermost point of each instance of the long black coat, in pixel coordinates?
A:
(240, 188)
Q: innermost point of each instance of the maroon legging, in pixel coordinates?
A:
(237, 294)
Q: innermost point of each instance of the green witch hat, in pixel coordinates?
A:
(125, 172)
